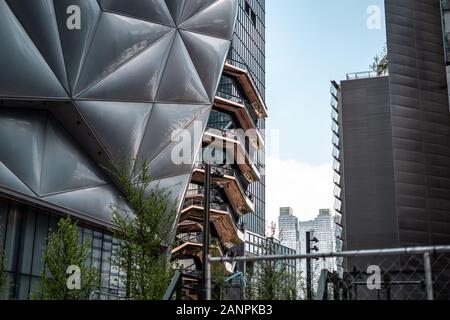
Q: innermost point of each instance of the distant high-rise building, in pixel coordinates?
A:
(324, 232)
(321, 228)
(288, 228)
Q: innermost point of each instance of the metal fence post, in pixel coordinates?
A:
(428, 276)
(208, 279)
(206, 225)
(308, 268)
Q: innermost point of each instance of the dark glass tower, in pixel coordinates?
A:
(248, 50)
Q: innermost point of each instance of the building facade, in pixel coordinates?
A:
(116, 82)
(288, 232)
(248, 50)
(391, 134)
(325, 234)
(256, 245)
(322, 229)
(234, 144)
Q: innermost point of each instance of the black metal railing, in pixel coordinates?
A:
(362, 75)
(196, 192)
(228, 91)
(201, 203)
(234, 135)
(221, 171)
(195, 237)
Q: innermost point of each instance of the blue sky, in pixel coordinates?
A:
(309, 43)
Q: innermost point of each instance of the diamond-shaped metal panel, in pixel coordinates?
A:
(216, 20)
(151, 10)
(118, 39)
(38, 19)
(193, 7)
(137, 80)
(119, 86)
(24, 72)
(76, 43)
(130, 120)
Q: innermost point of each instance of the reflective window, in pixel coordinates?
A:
(337, 205)
(335, 127)
(221, 121)
(336, 165)
(337, 179)
(336, 152)
(337, 191)
(334, 115)
(23, 235)
(334, 103)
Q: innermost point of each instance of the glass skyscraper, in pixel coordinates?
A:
(288, 228)
(248, 52)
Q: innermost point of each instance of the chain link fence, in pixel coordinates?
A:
(420, 273)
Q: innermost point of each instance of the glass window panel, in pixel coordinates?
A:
(335, 127)
(337, 179)
(23, 287)
(336, 165)
(338, 231)
(336, 152)
(338, 218)
(334, 102)
(3, 220)
(337, 191)
(337, 205)
(334, 115)
(88, 241)
(335, 139)
(106, 260)
(339, 244)
(334, 90)
(12, 236)
(97, 250)
(42, 227)
(27, 241)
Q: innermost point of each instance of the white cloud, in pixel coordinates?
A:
(303, 187)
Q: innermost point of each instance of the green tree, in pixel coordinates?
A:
(270, 279)
(145, 234)
(380, 63)
(272, 282)
(62, 251)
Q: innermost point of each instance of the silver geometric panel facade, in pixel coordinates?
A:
(73, 100)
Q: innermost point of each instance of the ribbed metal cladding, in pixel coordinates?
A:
(367, 165)
(420, 121)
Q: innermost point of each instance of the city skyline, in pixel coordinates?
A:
(229, 150)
